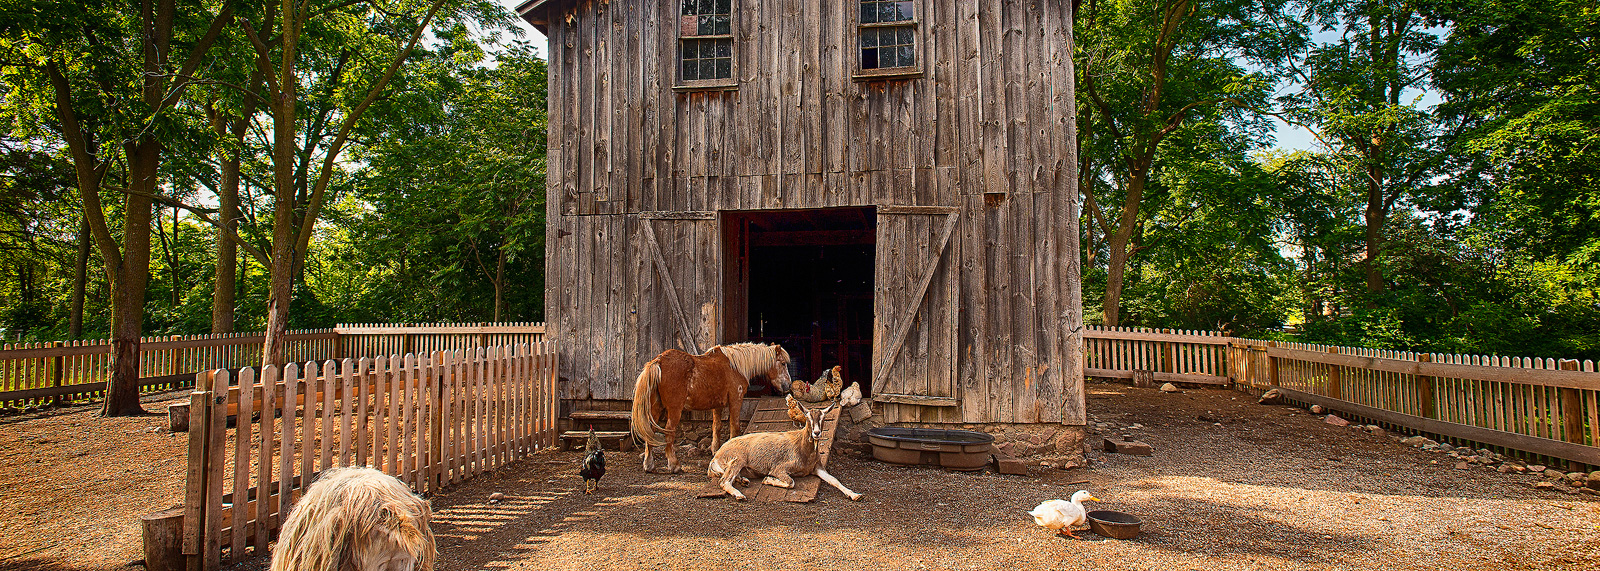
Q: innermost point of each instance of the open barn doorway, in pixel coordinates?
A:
(803, 278)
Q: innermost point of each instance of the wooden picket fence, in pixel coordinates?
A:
(61, 371)
(256, 440)
(1545, 410)
(1167, 355)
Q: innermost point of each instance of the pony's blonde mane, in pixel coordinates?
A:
(750, 359)
(350, 515)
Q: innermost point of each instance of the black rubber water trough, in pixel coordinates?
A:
(953, 449)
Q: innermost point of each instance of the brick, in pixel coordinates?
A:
(1010, 465)
(1133, 447)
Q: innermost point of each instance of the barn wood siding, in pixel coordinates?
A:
(987, 129)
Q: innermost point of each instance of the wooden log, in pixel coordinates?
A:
(178, 417)
(163, 539)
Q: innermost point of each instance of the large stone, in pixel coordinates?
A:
(861, 411)
(1418, 440)
(1009, 465)
(1273, 396)
(1543, 485)
(1317, 409)
(1169, 388)
(1131, 447)
(1536, 468)
(1335, 420)
(1554, 474)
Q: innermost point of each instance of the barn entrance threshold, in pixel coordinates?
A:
(770, 414)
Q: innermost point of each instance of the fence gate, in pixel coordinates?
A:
(431, 420)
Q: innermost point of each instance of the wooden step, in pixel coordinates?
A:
(571, 438)
(600, 415)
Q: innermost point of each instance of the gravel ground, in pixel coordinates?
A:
(1271, 488)
(74, 484)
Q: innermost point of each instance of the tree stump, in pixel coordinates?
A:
(163, 540)
(1143, 378)
(178, 417)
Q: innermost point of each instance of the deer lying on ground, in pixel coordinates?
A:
(780, 456)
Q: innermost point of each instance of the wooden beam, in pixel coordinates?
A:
(1565, 450)
(1161, 376)
(897, 209)
(432, 329)
(678, 215)
(813, 238)
(923, 400)
(1152, 336)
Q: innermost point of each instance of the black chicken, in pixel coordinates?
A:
(594, 464)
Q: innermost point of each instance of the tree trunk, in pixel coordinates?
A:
(80, 281)
(1375, 219)
(499, 283)
(133, 275)
(222, 299)
(1117, 258)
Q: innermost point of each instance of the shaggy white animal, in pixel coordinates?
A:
(1061, 515)
(356, 519)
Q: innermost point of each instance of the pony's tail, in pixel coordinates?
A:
(644, 402)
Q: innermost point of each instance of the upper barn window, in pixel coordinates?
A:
(705, 41)
(888, 30)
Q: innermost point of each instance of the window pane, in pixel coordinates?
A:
(708, 69)
(706, 6)
(724, 49)
(723, 7)
(869, 13)
(691, 69)
(688, 7)
(869, 58)
(724, 68)
(708, 49)
(905, 11)
(704, 27)
(907, 57)
(723, 25)
(904, 36)
(886, 12)
(869, 38)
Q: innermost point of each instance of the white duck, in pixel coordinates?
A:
(1061, 515)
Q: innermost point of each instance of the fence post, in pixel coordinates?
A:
(1571, 412)
(56, 365)
(1335, 387)
(194, 498)
(1425, 390)
(1272, 365)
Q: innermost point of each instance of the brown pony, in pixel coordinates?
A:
(676, 380)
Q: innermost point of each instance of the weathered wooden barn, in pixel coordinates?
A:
(883, 185)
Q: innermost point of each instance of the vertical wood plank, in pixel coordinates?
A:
(266, 504)
(243, 508)
(286, 459)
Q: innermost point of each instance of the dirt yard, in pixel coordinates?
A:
(1270, 488)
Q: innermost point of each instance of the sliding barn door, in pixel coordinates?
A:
(680, 283)
(914, 307)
